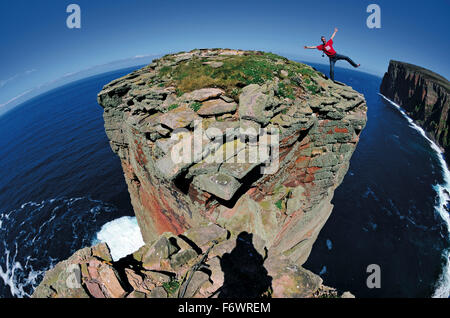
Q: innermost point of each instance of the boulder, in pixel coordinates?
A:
(158, 251)
(216, 107)
(102, 251)
(198, 279)
(284, 73)
(136, 294)
(203, 236)
(158, 292)
(179, 117)
(203, 94)
(223, 129)
(182, 258)
(221, 185)
(255, 104)
(157, 277)
(242, 164)
(214, 64)
(111, 282)
(203, 167)
(347, 294)
(290, 280)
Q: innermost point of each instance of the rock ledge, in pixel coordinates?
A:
(239, 147)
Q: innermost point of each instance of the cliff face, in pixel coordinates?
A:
(240, 150)
(423, 94)
(204, 262)
(317, 124)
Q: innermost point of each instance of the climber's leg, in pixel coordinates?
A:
(332, 62)
(343, 57)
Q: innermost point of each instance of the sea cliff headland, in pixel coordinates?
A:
(424, 95)
(231, 160)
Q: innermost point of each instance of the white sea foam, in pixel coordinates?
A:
(8, 274)
(122, 235)
(10, 277)
(24, 257)
(443, 285)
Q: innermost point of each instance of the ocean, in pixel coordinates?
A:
(390, 209)
(60, 183)
(62, 189)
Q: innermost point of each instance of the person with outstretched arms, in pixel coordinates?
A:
(327, 48)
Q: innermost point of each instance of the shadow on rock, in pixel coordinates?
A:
(244, 273)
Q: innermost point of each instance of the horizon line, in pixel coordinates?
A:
(59, 82)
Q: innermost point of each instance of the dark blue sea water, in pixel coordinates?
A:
(387, 209)
(60, 184)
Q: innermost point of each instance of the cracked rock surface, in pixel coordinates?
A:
(228, 114)
(234, 267)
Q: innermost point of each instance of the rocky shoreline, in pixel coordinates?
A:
(264, 143)
(176, 267)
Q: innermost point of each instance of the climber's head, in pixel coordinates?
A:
(324, 40)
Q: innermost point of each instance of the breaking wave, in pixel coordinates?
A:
(30, 246)
(122, 235)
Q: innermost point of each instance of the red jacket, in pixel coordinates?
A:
(327, 48)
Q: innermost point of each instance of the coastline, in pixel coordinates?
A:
(442, 289)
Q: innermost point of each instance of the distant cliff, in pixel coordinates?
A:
(265, 142)
(424, 95)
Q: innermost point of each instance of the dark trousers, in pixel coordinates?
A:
(337, 57)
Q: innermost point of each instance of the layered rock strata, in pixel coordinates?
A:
(424, 95)
(317, 124)
(246, 143)
(175, 266)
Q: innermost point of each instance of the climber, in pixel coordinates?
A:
(327, 48)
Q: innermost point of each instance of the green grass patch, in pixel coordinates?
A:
(274, 57)
(235, 73)
(286, 91)
(165, 70)
(196, 106)
(306, 71)
(235, 94)
(179, 92)
(279, 204)
(172, 107)
(313, 89)
(171, 287)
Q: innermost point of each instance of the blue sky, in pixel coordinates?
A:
(38, 48)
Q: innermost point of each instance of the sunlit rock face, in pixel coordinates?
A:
(424, 95)
(247, 140)
(231, 160)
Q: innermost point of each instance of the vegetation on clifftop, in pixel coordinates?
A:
(230, 227)
(232, 72)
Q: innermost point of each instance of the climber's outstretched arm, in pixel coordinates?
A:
(335, 31)
(310, 47)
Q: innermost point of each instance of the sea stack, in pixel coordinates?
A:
(299, 128)
(424, 95)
